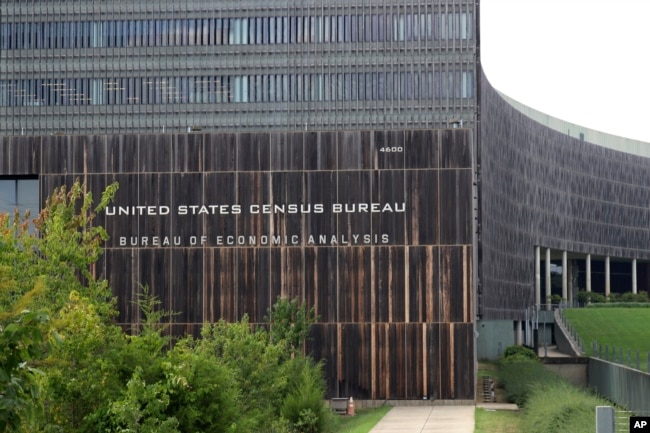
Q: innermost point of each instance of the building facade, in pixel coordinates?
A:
(348, 153)
(82, 67)
(320, 150)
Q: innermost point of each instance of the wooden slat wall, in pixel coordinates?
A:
(395, 317)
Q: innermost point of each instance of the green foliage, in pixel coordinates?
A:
(558, 407)
(68, 245)
(614, 299)
(39, 269)
(519, 376)
(66, 367)
(303, 406)
(21, 341)
(143, 408)
(257, 365)
(585, 297)
(629, 297)
(518, 352)
(290, 322)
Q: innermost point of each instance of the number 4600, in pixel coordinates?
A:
(391, 149)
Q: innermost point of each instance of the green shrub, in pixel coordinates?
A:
(558, 407)
(519, 371)
(304, 405)
(519, 352)
(517, 376)
(585, 297)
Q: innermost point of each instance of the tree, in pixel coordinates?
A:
(289, 322)
(21, 341)
(39, 269)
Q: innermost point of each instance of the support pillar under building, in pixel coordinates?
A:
(607, 279)
(565, 272)
(548, 276)
(588, 272)
(538, 278)
(634, 281)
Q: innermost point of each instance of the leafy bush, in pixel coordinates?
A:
(585, 297)
(518, 352)
(93, 377)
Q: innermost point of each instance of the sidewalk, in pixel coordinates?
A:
(427, 419)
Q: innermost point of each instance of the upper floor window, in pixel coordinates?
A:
(237, 31)
(375, 85)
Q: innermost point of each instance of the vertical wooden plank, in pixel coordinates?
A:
(424, 207)
(220, 152)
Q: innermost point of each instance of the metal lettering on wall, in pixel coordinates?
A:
(296, 235)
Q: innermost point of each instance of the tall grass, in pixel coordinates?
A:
(550, 404)
(559, 407)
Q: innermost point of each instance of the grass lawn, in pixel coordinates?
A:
(363, 421)
(497, 421)
(623, 328)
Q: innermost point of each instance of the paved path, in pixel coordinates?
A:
(427, 419)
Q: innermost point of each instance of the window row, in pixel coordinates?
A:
(369, 86)
(238, 31)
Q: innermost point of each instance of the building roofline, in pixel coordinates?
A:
(615, 142)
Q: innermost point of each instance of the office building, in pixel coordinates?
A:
(348, 153)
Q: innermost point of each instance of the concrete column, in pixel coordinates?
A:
(547, 273)
(519, 332)
(565, 274)
(569, 278)
(588, 271)
(538, 278)
(607, 280)
(634, 285)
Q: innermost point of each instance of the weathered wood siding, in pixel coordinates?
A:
(393, 289)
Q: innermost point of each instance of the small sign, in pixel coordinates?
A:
(640, 424)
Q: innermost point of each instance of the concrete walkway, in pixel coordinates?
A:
(427, 419)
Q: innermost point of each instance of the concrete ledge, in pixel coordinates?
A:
(498, 406)
(364, 404)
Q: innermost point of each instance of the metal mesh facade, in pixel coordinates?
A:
(76, 67)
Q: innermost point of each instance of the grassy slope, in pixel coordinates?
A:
(625, 328)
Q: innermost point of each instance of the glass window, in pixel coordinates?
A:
(285, 31)
(20, 194)
(327, 29)
(368, 28)
(272, 30)
(376, 30)
(244, 31)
